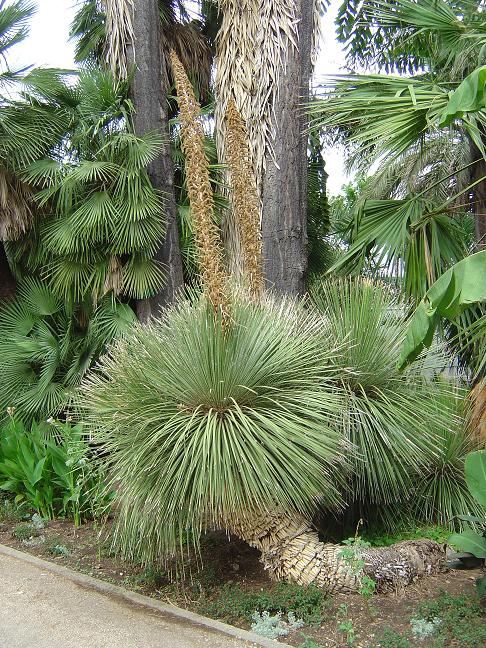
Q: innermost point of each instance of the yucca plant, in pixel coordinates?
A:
(199, 426)
(47, 345)
(394, 446)
(442, 493)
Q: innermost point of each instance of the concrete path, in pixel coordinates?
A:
(42, 609)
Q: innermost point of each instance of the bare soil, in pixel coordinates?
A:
(229, 562)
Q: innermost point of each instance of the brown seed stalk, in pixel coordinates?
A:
(246, 203)
(208, 243)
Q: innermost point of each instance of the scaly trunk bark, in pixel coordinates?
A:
(8, 284)
(291, 551)
(476, 418)
(284, 195)
(149, 92)
(478, 171)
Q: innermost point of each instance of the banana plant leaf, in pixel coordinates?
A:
(470, 96)
(463, 284)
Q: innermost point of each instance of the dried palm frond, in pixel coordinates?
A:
(249, 63)
(477, 412)
(15, 213)
(246, 202)
(193, 51)
(119, 32)
(208, 242)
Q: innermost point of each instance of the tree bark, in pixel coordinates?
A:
(149, 93)
(284, 223)
(478, 171)
(291, 550)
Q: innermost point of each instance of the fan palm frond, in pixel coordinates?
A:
(411, 237)
(47, 345)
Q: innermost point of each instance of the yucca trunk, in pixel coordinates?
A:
(291, 551)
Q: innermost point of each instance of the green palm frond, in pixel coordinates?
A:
(408, 37)
(382, 116)
(412, 238)
(209, 424)
(392, 445)
(14, 28)
(91, 188)
(47, 345)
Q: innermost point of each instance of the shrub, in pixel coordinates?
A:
(198, 425)
(46, 467)
(393, 419)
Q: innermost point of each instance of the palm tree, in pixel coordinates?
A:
(140, 35)
(267, 73)
(439, 44)
(15, 210)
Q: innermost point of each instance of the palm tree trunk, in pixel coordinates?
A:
(266, 72)
(284, 195)
(291, 550)
(149, 92)
(478, 172)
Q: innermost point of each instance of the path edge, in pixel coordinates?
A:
(140, 600)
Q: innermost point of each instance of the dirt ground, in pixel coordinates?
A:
(232, 564)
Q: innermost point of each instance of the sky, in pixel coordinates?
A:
(48, 45)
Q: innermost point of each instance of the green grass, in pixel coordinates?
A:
(380, 537)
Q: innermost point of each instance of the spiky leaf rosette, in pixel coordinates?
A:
(198, 426)
(390, 417)
(442, 493)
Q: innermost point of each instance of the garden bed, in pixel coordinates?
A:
(232, 585)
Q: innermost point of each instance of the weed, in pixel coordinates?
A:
(151, 577)
(391, 639)
(309, 643)
(350, 556)
(347, 629)
(11, 511)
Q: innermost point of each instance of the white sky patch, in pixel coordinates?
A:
(48, 45)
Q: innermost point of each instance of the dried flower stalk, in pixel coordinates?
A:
(246, 203)
(208, 243)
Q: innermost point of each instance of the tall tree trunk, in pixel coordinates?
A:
(264, 64)
(284, 196)
(291, 550)
(478, 171)
(149, 92)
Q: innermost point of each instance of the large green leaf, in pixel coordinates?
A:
(475, 468)
(461, 285)
(469, 541)
(470, 96)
